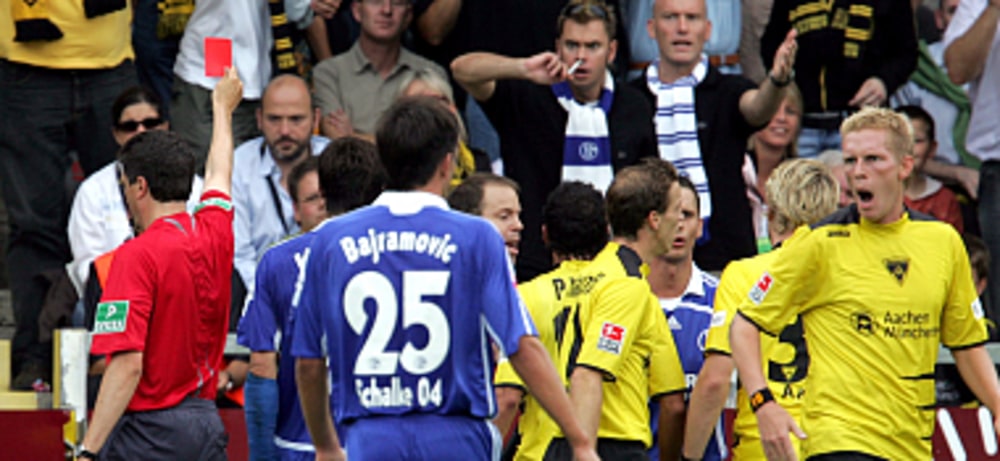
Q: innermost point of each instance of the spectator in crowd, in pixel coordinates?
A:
(924, 193)
(541, 109)
(770, 147)
(620, 355)
(264, 208)
(154, 397)
(309, 208)
(877, 318)
(721, 47)
(834, 159)
(862, 53)
(157, 28)
(755, 16)
(686, 295)
(61, 67)
(970, 60)
(703, 120)
(249, 26)
(355, 87)
(346, 175)
(979, 259)
(466, 267)
(494, 198)
(930, 88)
(98, 219)
(800, 192)
(426, 82)
(575, 229)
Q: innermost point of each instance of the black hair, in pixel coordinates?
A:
(132, 96)
(413, 136)
(309, 165)
(164, 159)
(575, 220)
(350, 174)
(918, 113)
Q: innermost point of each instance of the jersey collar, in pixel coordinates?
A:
(410, 202)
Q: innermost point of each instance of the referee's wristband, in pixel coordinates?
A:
(759, 398)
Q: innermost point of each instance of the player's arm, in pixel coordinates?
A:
(670, 436)
(310, 378)
(219, 164)
(508, 400)
(120, 381)
(708, 398)
(773, 421)
(533, 364)
(478, 72)
(979, 373)
(587, 394)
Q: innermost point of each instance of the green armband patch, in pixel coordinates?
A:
(111, 317)
(214, 201)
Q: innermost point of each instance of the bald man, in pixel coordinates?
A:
(264, 213)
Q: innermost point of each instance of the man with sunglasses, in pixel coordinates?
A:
(557, 125)
(355, 87)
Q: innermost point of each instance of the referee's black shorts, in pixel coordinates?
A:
(190, 431)
(623, 450)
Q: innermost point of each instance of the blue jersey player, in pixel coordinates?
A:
(407, 296)
(349, 175)
(687, 296)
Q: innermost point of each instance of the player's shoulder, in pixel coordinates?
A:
(845, 216)
(285, 247)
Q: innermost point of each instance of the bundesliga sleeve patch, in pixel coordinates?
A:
(611, 338)
(111, 317)
(760, 289)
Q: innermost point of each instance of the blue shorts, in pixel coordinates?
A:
(285, 454)
(420, 437)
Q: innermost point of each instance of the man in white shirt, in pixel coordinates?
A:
(264, 212)
(969, 61)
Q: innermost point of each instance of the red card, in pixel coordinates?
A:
(218, 56)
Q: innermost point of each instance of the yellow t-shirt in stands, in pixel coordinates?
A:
(549, 298)
(875, 301)
(101, 42)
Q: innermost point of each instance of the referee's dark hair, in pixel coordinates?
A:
(575, 220)
(467, 197)
(350, 174)
(164, 159)
(638, 191)
(413, 136)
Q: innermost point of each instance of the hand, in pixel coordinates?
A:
(784, 58)
(544, 68)
(969, 179)
(775, 423)
(871, 93)
(586, 453)
(228, 91)
(337, 125)
(337, 454)
(224, 380)
(325, 8)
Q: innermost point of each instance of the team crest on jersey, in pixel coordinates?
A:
(611, 339)
(898, 268)
(760, 289)
(111, 317)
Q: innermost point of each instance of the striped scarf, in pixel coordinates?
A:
(587, 149)
(677, 127)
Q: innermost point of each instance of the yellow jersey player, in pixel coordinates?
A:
(798, 192)
(575, 228)
(617, 350)
(877, 288)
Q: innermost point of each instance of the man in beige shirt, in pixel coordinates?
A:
(355, 87)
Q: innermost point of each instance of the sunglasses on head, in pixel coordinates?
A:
(593, 9)
(132, 125)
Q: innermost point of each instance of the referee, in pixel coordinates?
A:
(164, 314)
